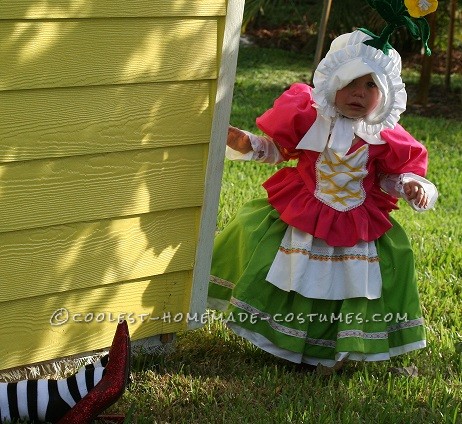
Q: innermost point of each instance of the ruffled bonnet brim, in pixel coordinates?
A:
(349, 58)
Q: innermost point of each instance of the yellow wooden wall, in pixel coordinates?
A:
(106, 111)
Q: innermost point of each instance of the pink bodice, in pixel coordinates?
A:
(302, 199)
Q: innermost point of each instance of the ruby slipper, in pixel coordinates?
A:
(110, 387)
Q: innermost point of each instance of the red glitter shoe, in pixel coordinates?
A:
(110, 387)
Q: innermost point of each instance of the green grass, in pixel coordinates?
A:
(213, 376)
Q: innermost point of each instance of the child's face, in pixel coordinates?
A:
(358, 98)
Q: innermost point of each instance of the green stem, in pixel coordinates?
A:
(387, 31)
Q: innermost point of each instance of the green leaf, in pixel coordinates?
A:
(376, 41)
(385, 10)
(368, 32)
(424, 29)
(398, 6)
(412, 27)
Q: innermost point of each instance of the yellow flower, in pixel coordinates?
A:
(419, 8)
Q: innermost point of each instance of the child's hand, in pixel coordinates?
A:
(238, 140)
(414, 191)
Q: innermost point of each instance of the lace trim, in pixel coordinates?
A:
(326, 258)
(316, 249)
(383, 334)
(361, 334)
(405, 324)
(221, 282)
(380, 335)
(310, 245)
(321, 342)
(267, 317)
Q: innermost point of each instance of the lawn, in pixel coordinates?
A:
(212, 376)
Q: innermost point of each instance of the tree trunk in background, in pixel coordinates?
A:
(452, 18)
(321, 34)
(427, 61)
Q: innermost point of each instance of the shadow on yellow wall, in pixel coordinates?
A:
(106, 118)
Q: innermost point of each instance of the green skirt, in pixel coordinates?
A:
(302, 329)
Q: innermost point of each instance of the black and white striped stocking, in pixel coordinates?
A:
(48, 400)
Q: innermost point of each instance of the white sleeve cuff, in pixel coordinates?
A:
(428, 186)
(232, 154)
(263, 150)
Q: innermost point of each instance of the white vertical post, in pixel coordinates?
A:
(214, 171)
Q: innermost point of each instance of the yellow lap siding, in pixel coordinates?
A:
(14, 9)
(74, 121)
(37, 54)
(84, 188)
(113, 135)
(27, 335)
(82, 255)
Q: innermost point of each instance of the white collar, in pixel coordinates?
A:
(336, 134)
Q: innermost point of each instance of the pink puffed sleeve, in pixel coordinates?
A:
(290, 117)
(405, 154)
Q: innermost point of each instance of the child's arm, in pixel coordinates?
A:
(420, 193)
(242, 145)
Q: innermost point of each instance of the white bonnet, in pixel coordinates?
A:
(349, 58)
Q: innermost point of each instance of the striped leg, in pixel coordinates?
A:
(47, 400)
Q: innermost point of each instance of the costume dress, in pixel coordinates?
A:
(319, 271)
